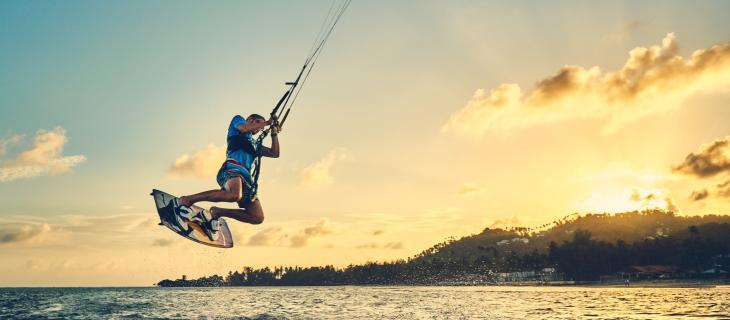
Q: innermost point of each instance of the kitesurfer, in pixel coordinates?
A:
(238, 176)
(234, 177)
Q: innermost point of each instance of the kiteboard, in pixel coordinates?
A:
(191, 229)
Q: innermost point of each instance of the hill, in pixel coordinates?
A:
(579, 247)
(629, 227)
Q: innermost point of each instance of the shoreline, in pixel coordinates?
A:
(669, 283)
(686, 283)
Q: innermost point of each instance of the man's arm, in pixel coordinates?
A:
(251, 127)
(272, 152)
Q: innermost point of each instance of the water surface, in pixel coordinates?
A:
(366, 303)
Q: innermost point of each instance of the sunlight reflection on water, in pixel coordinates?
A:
(367, 303)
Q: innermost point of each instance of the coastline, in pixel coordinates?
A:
(669, 283)
(687, 283)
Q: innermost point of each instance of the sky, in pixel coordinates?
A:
(423, 120)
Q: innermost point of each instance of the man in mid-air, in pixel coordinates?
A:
(234, 177)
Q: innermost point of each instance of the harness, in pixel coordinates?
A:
(240, 142)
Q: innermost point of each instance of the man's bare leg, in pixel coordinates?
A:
(250, 213)
(232, 192)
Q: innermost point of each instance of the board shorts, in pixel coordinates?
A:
(231, 169)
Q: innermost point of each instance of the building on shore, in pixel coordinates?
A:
(541, 276)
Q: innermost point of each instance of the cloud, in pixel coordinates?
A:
(18, 233)
(653, 199)
(43, 157)
(393, 245)
(723, 189)
(239, 235)
(7, 142)
(469, 189)
(321, 228)
(202, 163)
(653, 80)
(615, 200)
(389, 245)
(64, 229)
(161, 242)
(711, 159)
(318, 174)
(109, 224)
(267, 237)
(290, 236)
(699, 195)
(432, 220)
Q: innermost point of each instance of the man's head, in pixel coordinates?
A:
(255, 118)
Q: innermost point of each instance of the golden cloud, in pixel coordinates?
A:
(321, 228)
(267, 237)
(318, 174)
(202, 163)
(35, 230)
(289, 237)
(653, 80)
(469, 189)
(723, 189)
(653, 199)
(699, 195)
(43, 157)
(711, 159)
(109, 224)
(388, 245)
(432, 220)
(12, 233)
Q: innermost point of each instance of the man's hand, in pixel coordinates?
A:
(273, 152)
(272, 121)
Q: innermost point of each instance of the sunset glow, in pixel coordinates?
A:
(424, 120)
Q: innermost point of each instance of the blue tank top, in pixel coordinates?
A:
(240, 154)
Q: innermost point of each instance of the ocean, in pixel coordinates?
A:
(352, 302)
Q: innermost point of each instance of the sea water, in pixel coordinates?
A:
(351, 302)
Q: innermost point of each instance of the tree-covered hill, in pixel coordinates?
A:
(580, 248)
(628, 227)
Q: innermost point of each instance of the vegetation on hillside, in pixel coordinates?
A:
(581, 247)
